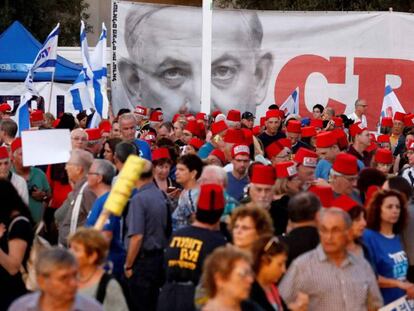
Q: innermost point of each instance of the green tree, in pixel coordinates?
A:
(41, 16)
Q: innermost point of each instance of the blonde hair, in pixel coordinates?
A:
(93, 241)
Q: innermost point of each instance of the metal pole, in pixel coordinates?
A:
(206, 56)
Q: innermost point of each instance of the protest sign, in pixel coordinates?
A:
(41, 147)
(401, 304)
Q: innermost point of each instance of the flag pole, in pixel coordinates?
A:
(206, 56)
(51, 91)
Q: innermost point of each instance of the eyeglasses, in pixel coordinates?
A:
(245, 273)
(93, 173)
(350, 178)
(273, 241)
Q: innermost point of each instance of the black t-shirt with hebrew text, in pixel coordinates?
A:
(187, 249)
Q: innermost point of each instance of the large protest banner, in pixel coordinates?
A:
(260, 58)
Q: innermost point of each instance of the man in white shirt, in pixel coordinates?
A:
(358, 115)
(5, 173)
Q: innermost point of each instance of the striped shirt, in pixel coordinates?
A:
(350, 287)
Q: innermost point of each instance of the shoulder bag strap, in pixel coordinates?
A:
(101, 290)
(75, 212)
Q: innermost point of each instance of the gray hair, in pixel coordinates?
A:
(106, 169)
(216, 171)
(80, 130)
(124, 149)
(82, 158)
(126, 116)
(336, 211)
(52, 259)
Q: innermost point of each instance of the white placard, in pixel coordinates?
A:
(401, 304)
(42, 147)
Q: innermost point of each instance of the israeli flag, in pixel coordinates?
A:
(291, 104)
(390, 104)
(90, 88)
(45, 61)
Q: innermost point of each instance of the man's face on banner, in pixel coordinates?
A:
(166, 62)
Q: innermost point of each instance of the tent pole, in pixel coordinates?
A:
(51, 90)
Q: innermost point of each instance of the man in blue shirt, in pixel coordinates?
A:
(127, 126)
(237, 178)
(100, 178)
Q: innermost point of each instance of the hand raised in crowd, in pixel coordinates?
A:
(301, 303)
(174, 194)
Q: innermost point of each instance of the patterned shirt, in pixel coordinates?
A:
(350, 287)
(187, 205)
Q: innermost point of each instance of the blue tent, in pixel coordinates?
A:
(18, 49)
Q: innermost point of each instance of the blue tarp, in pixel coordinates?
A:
(18, 49)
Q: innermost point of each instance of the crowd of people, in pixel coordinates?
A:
(292, 213)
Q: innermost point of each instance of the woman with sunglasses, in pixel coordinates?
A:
(227, 278)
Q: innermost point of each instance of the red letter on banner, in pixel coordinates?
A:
(297, 70)
(372, 72)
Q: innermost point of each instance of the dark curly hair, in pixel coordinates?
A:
(374, 211)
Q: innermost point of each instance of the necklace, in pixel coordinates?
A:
(86, 280)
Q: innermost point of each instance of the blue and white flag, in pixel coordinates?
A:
(390, 104)
(291, 104)
(45, 61)
(90, 88)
